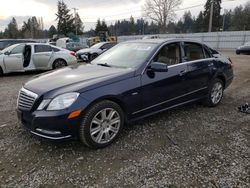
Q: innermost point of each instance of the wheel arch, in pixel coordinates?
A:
(114, 99)
(222, 78)
(56, 59)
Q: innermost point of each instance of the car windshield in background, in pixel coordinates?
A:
(126, 55)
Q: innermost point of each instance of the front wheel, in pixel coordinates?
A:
(101, 124)
(215, 93)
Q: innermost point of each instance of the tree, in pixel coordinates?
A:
(188, 22)
(161, 11)
(12, 29)
(199, 23)
(52, 31)
(32, 28)
(78, 24)
(131, 28)
(98, 26)
(65, 23)
(216, 14)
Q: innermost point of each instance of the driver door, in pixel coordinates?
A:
(14, 60)
(164, 89)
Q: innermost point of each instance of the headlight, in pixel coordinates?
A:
(63, 101)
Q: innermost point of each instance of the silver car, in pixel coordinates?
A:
(34, 56)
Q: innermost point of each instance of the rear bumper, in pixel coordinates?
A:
(229, 81)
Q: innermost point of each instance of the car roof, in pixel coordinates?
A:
(2, 40)
(162, 41)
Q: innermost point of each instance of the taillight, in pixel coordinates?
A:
(73, 53)
(231, 63)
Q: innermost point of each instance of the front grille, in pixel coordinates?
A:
(26, 99)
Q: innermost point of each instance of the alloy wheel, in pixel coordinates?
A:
(217, 93)
(105, 125)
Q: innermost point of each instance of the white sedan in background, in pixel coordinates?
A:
(34, 56)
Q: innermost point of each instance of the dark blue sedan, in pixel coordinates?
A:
(133, 80)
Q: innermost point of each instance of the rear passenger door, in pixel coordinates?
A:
(199, 62)
(42, 55)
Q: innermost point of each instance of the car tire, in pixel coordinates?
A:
(59, 63)
(238, 52)
(215, 93)
(93, 56)
(101, 124)
(1, 71)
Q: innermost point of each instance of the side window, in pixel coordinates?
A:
(193, 51)
(18, 50)
(55, 49)
(207, 53)
(169, 54)
(42, 48)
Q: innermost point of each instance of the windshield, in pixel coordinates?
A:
(9, 49)
(247, 44)
(126, 55)
(98, 45)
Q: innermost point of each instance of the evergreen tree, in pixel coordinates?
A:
(78, 24)
(52, 31)
(132, 26)
(199, 23)
(188, 22)
(12, 29)
(216, 14)
(98, 27)
(65, 23)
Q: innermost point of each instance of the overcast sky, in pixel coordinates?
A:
(89, 10)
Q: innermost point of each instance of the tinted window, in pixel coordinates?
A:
(169, 54)
(18, 49)
(193, 51)
(207, 54)
(42, 48)
(108, 46)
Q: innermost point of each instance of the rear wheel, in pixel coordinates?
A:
(1, 71)
(237, 52)
(59, 63)
(101, 124)
(215, 93)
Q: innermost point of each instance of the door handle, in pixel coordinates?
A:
(183, 72)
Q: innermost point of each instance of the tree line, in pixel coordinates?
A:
(69, 24)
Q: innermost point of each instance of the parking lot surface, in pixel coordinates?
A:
(186, 147)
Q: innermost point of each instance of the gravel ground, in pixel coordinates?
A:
(193, 146)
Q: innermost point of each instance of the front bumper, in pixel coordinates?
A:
(50, 125)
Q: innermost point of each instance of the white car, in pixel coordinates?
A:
(34, 56)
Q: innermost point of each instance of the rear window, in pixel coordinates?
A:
(42, 48)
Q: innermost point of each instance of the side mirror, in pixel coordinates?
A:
(7, 53)
(158, 67)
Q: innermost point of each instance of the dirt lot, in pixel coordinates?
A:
(193, 146)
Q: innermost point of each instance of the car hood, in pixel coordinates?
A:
(89, 50)
(77, 78)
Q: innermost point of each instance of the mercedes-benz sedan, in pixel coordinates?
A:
(133, 80)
